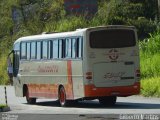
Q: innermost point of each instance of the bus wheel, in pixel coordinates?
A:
(62, 97)
(108, 101)
(30, 100)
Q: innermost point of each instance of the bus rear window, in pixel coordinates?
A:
(116, 38)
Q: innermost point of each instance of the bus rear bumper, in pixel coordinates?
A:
(121, 91)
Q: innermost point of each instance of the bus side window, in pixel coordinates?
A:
(68, 48)
(55, 49)
(74, 48)
(79, 47)
(45, 50)
(28, 51)
(23, 51)
(38, 50)
(60, 49)
(49, 49)
(16, 56)
(33, 50)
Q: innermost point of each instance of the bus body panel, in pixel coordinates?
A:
(113, 69)
(113, 74)
(110, 73)
(44, 78)
(99, 73)
(77, 78)
(121, 91)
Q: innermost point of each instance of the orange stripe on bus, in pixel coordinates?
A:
(69, 86)
(43, 90)
(92, 91)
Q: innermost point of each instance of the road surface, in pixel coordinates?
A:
(86, 109)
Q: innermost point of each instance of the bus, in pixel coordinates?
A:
(86, 64)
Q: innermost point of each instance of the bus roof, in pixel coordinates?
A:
(78, 32)
(47, 36)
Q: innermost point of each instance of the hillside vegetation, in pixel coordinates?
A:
(150, 65)
(50, 16)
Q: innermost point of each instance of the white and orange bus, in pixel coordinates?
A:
(92, 63)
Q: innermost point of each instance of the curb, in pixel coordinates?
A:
(5, 109)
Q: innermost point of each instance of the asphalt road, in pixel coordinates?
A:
(86, 110)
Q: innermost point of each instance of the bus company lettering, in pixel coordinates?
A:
(48, 69)
(114, 75)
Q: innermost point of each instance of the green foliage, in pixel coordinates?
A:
(117, 20)
(3, 70)
(51, 10)
(102, 15)
(144, 27)
(132, 13)
(150, 65)
(127, 10)
(72, 23)
(35, 26)
(151, 46)
(5, 44)
(150, 87)
(6, 23)
(150, 57)
(24, 31)
(151, 6)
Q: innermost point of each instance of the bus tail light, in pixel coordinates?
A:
(138, 74)
(89, 75)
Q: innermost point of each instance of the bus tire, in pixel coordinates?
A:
(29, 99)
(62, 97)
(108, 101)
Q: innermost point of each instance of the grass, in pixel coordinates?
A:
(150, 65)
(150, 56)
(150, 87)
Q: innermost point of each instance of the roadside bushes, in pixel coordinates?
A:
(3, 70)
(144, 27)
(150, 56)
(150, 87)
(132, 13)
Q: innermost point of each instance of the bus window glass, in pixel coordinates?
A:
(28, 51)
(17, 46)
(73, 48)
(45, 49)
(49, 49)
(60, 49)
(33, 50)
(68, 48)
(38, 50)
(79, 47)
(23, 51)
(55, 49)
(113, 38)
